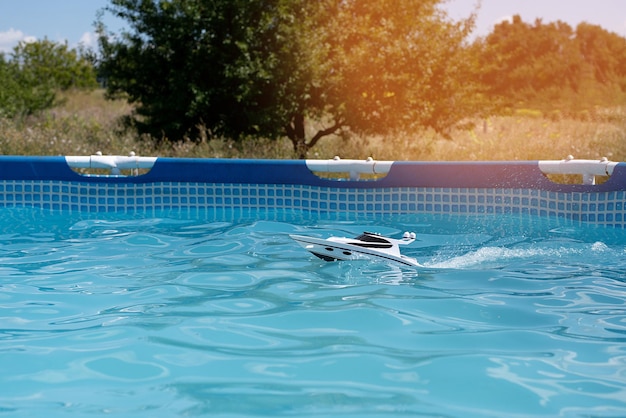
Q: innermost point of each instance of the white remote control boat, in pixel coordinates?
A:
(367, 246)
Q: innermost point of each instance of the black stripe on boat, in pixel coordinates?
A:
(324, 256)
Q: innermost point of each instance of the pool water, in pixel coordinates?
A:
(220, 313)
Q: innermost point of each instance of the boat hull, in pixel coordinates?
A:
(329, 250)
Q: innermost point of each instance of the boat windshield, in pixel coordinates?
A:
(370, 237)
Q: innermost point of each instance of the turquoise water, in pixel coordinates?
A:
(222, 314)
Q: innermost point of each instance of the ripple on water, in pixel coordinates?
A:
(201, 315)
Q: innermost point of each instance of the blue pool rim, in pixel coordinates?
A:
(409, 187)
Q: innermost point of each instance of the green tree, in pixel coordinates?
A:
(529, 64)
(55, 63)
(35, 71)
(267, 68)
(391, 65)
(8, 88)
(550, 66)
(604, 54)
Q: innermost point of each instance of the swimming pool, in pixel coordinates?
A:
(186, 308)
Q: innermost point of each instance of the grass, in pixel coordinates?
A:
(86, 123)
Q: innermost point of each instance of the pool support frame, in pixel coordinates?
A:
(360, 186)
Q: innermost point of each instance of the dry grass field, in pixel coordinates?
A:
(86, 123)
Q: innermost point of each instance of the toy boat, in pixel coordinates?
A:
(367, 246)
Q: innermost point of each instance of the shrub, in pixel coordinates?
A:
(36, 71)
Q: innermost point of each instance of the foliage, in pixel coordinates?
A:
(57, 64)
(605, 52)
(35, 71)
(551, 66)
(264, 68)
(392, 66)
(86, 123)
(9, 92)
(269, 79)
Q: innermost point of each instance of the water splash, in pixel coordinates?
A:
(499, 255)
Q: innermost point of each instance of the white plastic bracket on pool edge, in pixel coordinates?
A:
(114, 163)
(589, 169)
(354, 167)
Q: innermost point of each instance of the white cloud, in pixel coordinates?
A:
(89, 40)
(11, 38)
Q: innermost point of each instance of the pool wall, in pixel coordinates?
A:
(404, 187)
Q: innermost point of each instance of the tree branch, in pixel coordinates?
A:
(324, 132)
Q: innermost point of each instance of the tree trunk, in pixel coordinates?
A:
(295, 132)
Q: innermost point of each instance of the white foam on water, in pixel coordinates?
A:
(502, 254)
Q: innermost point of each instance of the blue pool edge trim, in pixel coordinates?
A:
(484, 174)
(494, 187)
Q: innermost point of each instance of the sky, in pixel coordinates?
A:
(72, 21)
